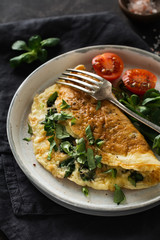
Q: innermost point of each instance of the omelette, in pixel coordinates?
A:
(90, 142)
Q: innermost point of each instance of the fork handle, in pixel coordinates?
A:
(136, 116)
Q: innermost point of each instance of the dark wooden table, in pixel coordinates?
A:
(17, 10)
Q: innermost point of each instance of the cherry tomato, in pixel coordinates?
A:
(108, 65)
(139, 81)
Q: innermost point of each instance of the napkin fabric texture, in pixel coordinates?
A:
(25, 213)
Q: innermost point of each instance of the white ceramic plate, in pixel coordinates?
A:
(65, 192)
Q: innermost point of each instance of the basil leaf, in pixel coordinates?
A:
(80, 146)
(156, 144)
(64, 105)
(52, 146)
(113, 171)
(118, 195)
(27, 139)
(73, 121)
(20, 45)
(86, 174)
(89, 135)
(42, 54)
(85, 191)
(61, 132)
(99, 142)
(34, 42)
(68, 165)
(67, 147)
(60, 116)
(135, 177)
(98, 105)
(50, 42)
(52, 99)
(81, 159)
(90, 159)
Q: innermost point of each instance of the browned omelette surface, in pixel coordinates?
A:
(123, 148)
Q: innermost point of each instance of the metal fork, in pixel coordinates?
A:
(99, 89)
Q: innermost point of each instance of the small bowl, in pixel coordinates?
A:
(137, 17)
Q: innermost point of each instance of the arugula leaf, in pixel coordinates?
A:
(90, 159)
(118, 195)
(135, 177)
(64, 105)
(34, 50)
(98, 105)
(61, 132)
(85, 191)
(89, 135)
(113, 172)
(52, 146)
(68, 165)
(51, 100)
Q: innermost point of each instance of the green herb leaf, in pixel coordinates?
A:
(80, 146)
(86, 174)
(73, 121)
(27, 139)
(34, 42)
(98, 105)
(85, 191)
(61, 132)
(60, 116)
(68, 165)
(90, 159)
(156, 144)
(98, 159)
(42, 54)
(135, 177)
(20, 45)
(30, 131)
(64, 105)
(113, 172)
(152, 102)
(67, 147)
(99, 142)
(89, 135)
(118, 195)
(51, 100)
(50, 42)
(52, 146)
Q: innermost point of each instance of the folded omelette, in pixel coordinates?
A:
(92, 143)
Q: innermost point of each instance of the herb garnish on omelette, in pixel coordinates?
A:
(92, 146)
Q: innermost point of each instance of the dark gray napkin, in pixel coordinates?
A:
(24, 212)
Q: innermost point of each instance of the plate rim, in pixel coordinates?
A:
(124, 209)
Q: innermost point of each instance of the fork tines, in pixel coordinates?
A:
(73, 75)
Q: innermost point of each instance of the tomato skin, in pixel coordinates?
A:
(138, 81)
(108, 65)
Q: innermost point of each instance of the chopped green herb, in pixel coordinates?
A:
(90, 159)
(113, 172)
(135, 177)
(52, 146)
(98, 159)
(80, 146)
(73, 121)
(156, 144)
(118, 195)
(30, 131)
(98, 105)
(85, 191)
(34, 50)
(27, 139)
(67, 147)
(68, 165)
(64, 105)
(60, 116)
(89, 135)
(86, 174)
(51, 100)
(99, 142)
(61, 132)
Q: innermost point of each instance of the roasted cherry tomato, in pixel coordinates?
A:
(139, 81)
(108, 66)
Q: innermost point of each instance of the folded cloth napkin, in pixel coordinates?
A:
(25, 213)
